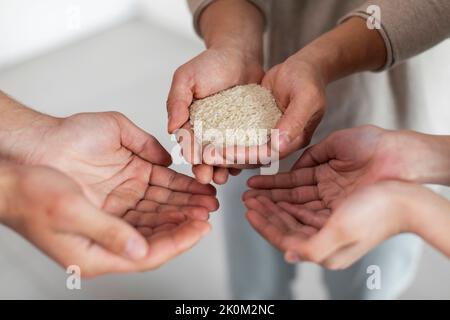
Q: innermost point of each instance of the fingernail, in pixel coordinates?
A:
(136, 249)
(292, 257)
(283, 141)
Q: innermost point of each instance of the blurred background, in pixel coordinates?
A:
(67, 56)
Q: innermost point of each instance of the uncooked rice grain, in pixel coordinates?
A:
(242, 115)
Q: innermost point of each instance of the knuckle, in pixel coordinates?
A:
(317, 96)
(61, 203)
(113, 235)
(309, 255)
(178, 72)
(179, 75)
(116, 115)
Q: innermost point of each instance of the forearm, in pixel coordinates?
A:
(7, 178)
(19, 127)
(430, 218)
(235, 24)
(419, 157)
(349, 48)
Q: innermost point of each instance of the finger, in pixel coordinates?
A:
(315, 205)
(345, 257)
(191, 146)
(220, 175)
(237, 157)
(301, 117)
(256, 205)
(179, 99)
(305, 216)
(297, 195)
(246, 156)
(300, 177)
(167, 244)
(194, 212)
(203, 173)
(141, 143)
(316, 155)
(152, 219)
(91, 258)
(165, 228)
(269, 82)
(166, 196)
(326, 242)
(234, 171)
(267, 212)
(167, 178)
(110, 232)
(266, 229)
(125, 197)
(289, 222)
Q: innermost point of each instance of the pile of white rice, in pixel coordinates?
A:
(242, 115)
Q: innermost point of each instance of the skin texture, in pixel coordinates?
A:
(336, 203)
(233, 35)
(349, 159)
(119, 168)
(52, 212)
(122, 169)
(328, 172)
(363, 221)
(298, 83)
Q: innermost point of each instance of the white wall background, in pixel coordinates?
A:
(173, 15)
(40, 26)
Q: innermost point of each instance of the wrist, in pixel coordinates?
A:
(418, 157)
(21, 129)
(236, 53)
(7, 180)
(423, 208)
(233, 25)
(404, 205)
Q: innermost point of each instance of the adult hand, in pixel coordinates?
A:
(121, 168)
(330, 177)
(345, 161)
(360, 223)
(299, 88)
(51, 211)
(194, 80)
(232, 31)
(299, 83)
(323, 177)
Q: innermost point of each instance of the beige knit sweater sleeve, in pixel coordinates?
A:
(408, 27)
(197, 7)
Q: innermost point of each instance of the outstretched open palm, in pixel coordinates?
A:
(287, 209)
(123, 171)
(329, 171)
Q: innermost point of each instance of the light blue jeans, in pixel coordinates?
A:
(258, 271)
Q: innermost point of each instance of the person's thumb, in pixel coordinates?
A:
(178, 102)
(109, 232)
(297, 124)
